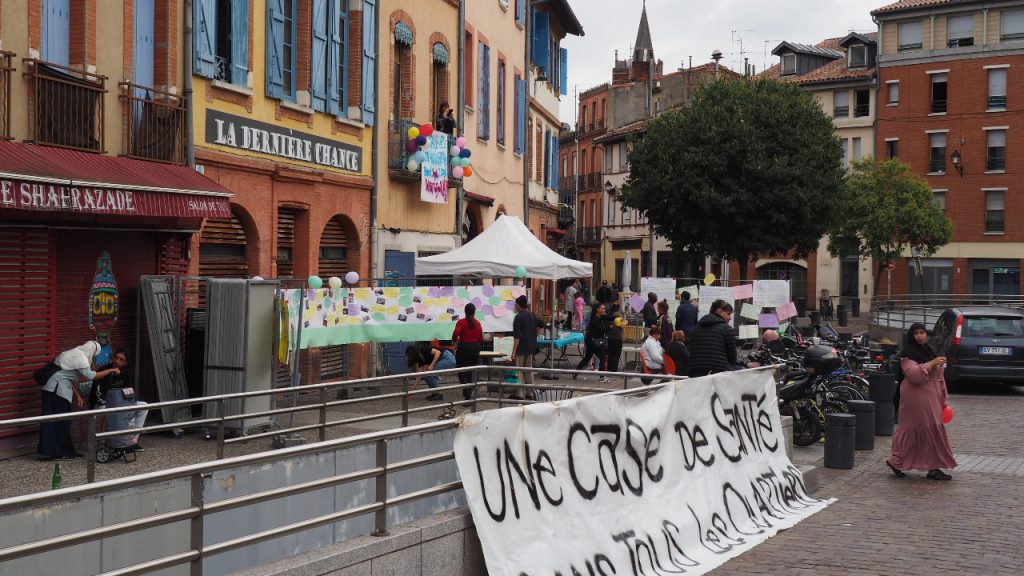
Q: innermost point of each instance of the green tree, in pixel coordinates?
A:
(886, 210)
(749, 167)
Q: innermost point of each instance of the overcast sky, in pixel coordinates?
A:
(684, 28)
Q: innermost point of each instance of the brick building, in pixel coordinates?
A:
(951, 76)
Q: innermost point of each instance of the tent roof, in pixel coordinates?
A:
(498, 251)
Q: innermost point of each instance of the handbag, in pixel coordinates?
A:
(601, 343)
(43, 375)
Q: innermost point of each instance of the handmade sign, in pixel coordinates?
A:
(395, 314)
(743, 291)
(768, 320)
(678, 481)
(708, 294)
(787, 310)
(636, 302)
(665, 288)
(434, 178)
(749, 332)
(770, 293)
(694, 290)
(750, 311)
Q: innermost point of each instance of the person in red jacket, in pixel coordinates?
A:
(467, 339)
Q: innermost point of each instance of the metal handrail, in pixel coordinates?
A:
(154, 124)
(6, 71)
(198, 508)
(66, 107)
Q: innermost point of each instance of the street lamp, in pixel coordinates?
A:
(956, 162)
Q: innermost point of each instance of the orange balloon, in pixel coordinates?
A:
(467, 171)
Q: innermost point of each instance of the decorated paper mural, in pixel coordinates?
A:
(400, 314)
(434, 178)
(103, 306)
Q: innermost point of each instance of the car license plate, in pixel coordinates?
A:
(996, 350)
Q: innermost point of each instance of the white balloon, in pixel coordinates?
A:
(257, 277)
(352, 277)
(334, 282)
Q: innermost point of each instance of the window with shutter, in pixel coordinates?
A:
(221, 40)
(369, 60)
(337, 58)
(520, 106)
(237, 18)
(500, 108)
(1011, 25)
(56, 43)
(997, 89)
(281, 49)
(563, 71)
(483, 113)
(521, 12)
(318, 55)
(540, 45)
(204, 14)
(554, 162)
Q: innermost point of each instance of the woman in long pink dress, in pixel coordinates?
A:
(920, 441)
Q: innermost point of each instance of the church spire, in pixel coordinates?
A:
(643, 50)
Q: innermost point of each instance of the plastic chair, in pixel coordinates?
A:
(669, 367)
(643, 365)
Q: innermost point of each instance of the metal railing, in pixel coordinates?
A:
(398, 154)
(200, 506)
(67, 106)
(900, 311)
(589, 235)
(6, 71)
(154, 124)
(861, 110)
(997, 102)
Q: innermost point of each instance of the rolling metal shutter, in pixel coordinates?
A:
(286, 242)
(334, 252)
(222, 249)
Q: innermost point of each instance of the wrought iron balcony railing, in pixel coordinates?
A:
(66, 106)
(154, 124)
(398, 155)
(589, 235)
(6, 71)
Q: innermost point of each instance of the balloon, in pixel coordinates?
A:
(464, 161)
(457, 172)
(412, 165)
(427, 129)
(413, 132)
(420, 156)
(352, 277)
(455, 150)
(465, 153)
(456, 161)
(421, 140)
(411, 146)
(460, 141)
(947, 414)
(467, 171)
(334, 282)
(314, 282)
(521, 271)
(709, 279)
(257, 278)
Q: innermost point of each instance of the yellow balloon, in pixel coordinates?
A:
(709, 279)
(413, 132)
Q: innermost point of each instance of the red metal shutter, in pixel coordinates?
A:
(27, 262)
(333, 261)
(222, 249)
(286, 242)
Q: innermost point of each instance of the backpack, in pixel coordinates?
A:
(43, 375)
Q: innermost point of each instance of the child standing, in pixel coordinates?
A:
(577, 315)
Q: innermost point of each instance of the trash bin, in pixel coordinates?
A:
(843, 315)
(864, 415)
(882, 390)
(840, 430)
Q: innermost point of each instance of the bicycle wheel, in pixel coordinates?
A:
(837, 396)
(807, 427)
(851, 381)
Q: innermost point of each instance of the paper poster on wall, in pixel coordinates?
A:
(743, 291)
(396, 314)
(434, 170)
(768, 320)
(661, 484)
(749, 332)
(750, 311)
(709, 294)
(787, 310)
(771, 293)
(694, 291)
(665, 288)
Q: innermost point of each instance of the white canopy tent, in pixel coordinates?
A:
(498, 251)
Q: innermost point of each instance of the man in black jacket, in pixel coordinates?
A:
(649, 313)
(713, 344)
(604, 294)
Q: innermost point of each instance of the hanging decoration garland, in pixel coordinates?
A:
(461, 165)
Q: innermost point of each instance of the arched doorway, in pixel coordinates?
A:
(795, 273)
(472, 222)
(222, 248)
(334, 254)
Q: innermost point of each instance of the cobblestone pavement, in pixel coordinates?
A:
(883, 525)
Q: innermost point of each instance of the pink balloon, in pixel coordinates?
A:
(460, 141)
(457, 172)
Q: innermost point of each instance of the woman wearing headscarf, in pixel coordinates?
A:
(58, 393)
(468, 339)
(920, 441)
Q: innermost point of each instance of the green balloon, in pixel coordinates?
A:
(315, 282)
(521, 271)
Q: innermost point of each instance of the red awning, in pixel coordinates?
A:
(485, 200)
(555, 231)
(43, 178)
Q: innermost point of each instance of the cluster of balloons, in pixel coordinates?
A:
(461, 165)
(315, 282)
(417, 143)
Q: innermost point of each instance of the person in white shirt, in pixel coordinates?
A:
(652, 350)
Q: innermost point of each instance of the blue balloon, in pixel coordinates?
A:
(420, 156)
(421, 140)
(465, 153)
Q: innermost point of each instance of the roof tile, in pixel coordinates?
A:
(907, 5)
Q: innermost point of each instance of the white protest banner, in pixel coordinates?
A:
(434, 178)
(771, 293)
(677, 481)
(665, 288)
(708, 294)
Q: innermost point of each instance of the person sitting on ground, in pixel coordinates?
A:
(424, 357)
(116, 391)
(713, 343)
(677, 351)
(653, 353)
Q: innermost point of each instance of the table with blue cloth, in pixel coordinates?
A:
(561, 343)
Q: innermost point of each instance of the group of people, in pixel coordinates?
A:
(78, 382)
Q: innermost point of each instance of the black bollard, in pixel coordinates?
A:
(815, 317)
(864, 414)
(881, 390)
(839, 440)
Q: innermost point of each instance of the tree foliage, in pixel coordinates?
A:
(886, 210)
(749, 167)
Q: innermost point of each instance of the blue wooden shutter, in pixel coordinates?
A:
(563, 71)
(541, 33)
(338, 23)
(369, 60)
(554, 162)
(486, 102)
(275, 48)
(521, 12)
(343, 57)
(500, 107)
(481, 91)
(204, 30)
(56, 32)
(239, 42)
(143, 47)
(520, 127)
(318, 56)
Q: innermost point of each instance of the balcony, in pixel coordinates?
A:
(594, 181)
(398, 156)
(566, 183)
(67, 107)
(589, 235)
(566, 216)
(6, 70)
(154, 124)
